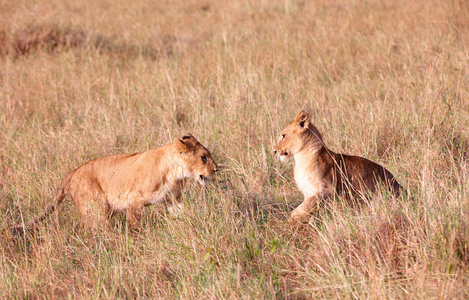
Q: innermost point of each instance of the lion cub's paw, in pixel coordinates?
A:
(176, 211)
(297, 217)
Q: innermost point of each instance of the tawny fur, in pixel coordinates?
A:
(321, 173)
(128, 182)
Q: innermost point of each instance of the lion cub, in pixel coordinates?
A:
(321, 173)
(128, 182)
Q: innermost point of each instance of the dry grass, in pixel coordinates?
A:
(387, 80)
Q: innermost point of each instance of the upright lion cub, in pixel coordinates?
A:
(320, 173)
(128, 182)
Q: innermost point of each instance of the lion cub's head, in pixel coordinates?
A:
(197, 160)
(298, 134)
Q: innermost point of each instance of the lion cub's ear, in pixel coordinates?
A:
(190, 141)
(187, 143)
(181, 146)
(302, 119)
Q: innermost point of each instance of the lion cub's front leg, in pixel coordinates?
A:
(305, 208)
(174, 201)
(175, 206)
(133, 214)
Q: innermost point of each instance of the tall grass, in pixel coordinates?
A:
(387, 80)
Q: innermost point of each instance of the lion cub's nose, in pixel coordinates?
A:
(215, 170)
(275, 151)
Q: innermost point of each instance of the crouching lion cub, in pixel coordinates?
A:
(128, 182)
(321, 173)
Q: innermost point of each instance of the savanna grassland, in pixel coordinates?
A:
(387, 80)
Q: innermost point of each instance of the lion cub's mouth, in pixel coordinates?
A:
(203, 180)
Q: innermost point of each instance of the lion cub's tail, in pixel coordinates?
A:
(31, 225)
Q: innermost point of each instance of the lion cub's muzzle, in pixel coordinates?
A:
(203, 179)
(283, 155)
(280, 153)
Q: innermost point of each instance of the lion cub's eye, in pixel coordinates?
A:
(204, 158)
(283, 137)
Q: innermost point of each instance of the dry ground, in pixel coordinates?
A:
(388, 80)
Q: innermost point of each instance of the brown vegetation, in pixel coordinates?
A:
(50, 38)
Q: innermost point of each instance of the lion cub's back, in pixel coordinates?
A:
(364, 174)
(103, 170)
